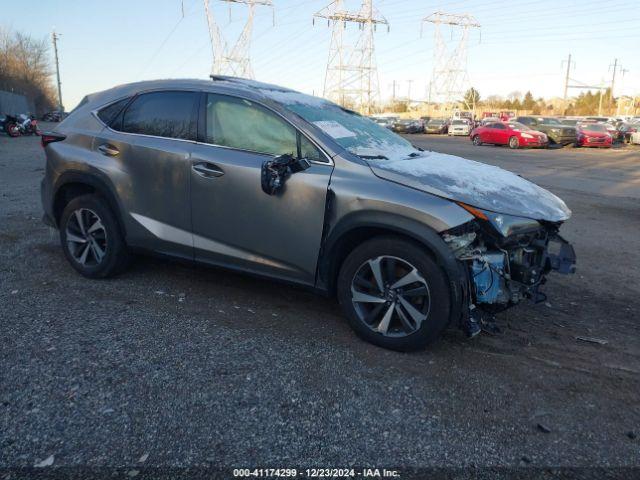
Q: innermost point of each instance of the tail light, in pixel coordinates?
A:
(49, 137)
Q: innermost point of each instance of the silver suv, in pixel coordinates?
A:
(269, 181)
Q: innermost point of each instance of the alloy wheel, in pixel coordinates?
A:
(390, 296)
(86, 237)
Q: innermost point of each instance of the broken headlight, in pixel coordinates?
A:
(506, 225)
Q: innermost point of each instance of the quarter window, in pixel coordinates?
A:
(109, 113)
(162, 114)
(242, 124)
(309, 151)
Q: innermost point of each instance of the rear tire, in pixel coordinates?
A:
(91, 238)
(404, 317)
(13, 130)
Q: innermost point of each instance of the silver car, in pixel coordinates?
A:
(266, 180)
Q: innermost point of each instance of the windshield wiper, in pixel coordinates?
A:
(414, 154)
(373, 157)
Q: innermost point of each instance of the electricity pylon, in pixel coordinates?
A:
(351, 77)
(234, 60)
(450, 79)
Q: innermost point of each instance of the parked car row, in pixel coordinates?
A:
(523, 131)
(542, 131)
(54, 116)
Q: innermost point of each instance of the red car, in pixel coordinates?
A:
(514, 134)
(593, 135)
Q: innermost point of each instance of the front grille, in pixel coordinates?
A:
(568, 131)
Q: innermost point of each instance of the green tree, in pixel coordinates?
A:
(528, 103)
(472, 98)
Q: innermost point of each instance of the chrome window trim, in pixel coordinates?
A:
(315, 162)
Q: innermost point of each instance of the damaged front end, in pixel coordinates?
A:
(506, 259)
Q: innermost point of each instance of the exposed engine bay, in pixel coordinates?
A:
(502, 270)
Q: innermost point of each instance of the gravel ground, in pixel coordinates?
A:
(195, 366)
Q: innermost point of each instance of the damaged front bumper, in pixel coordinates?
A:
(503, 270)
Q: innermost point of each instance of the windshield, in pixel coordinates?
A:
(518, 126)
(436, 122)
(357, 134)
(551, 121)
(594, 127)
(459, 122)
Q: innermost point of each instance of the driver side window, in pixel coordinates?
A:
(239, 123)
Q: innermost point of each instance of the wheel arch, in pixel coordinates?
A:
(358, 228)
(74, 184)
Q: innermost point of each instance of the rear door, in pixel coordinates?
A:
(150, 141)
(500, 134)
(234, 222)
(490, 133)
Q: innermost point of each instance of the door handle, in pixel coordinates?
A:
(208, 170)
(108, 150)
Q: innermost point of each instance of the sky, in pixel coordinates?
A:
(520, 46)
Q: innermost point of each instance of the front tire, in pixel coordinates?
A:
(393, 294)
(477, 141)
(514, 143)
(91, 238)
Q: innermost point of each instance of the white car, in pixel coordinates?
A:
(635, 138)
(459, 127)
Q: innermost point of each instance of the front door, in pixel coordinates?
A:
(234, 222)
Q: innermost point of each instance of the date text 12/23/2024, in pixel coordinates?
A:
(315, 473)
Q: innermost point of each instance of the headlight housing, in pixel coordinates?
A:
(526, 135)
(504, 224)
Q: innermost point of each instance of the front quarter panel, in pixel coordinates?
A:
(358, 193)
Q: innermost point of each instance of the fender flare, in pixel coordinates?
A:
(101, 185)
(392, 223)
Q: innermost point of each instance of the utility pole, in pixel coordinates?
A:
(409, 90)
(566, 80)
(613, 78)
(566, 84)
(393, 97)
(351, 77)
(54, 38)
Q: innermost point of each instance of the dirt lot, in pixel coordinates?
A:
(197, 366)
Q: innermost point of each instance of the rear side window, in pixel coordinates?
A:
(109, 113)
(162, 114)
(239, 123)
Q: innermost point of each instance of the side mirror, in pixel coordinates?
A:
(276, 171)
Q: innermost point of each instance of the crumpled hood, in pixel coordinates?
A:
(474, 183)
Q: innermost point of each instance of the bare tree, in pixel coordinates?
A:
(25, 68)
